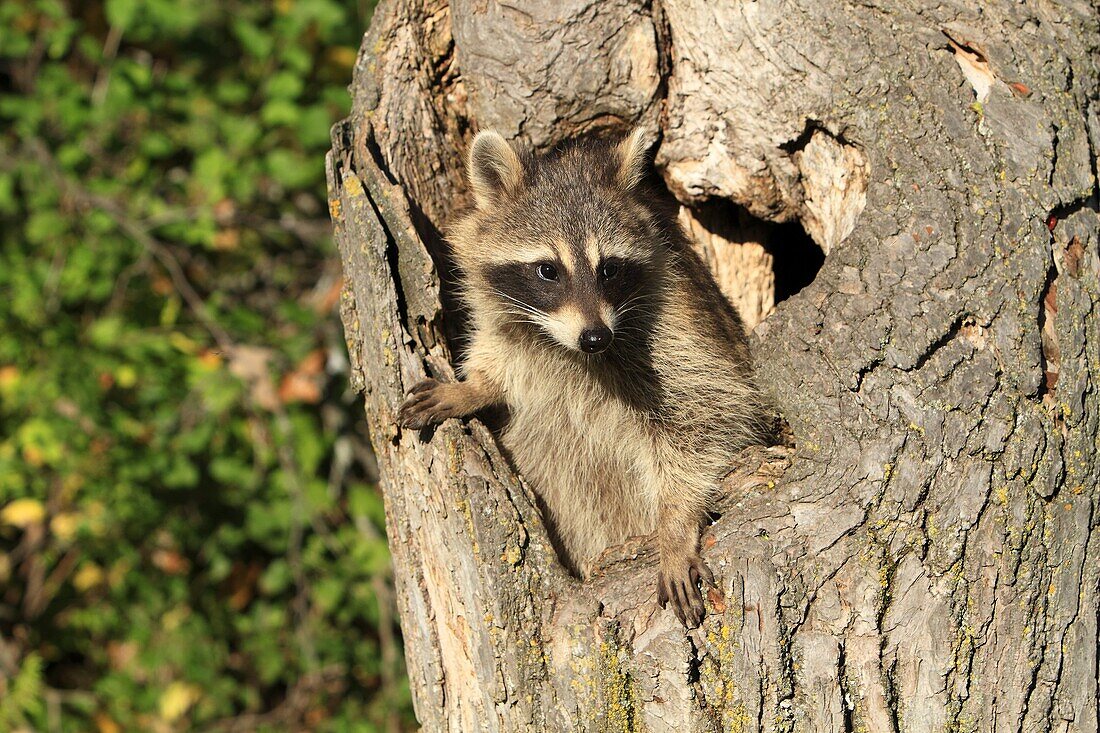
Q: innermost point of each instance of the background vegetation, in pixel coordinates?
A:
(190, 536)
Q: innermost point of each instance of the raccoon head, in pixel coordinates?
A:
(563, 246)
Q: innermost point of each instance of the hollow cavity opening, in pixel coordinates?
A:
(758, 264)
(797, 259)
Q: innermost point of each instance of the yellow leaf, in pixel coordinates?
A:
(23, 513)
(176, 700)
(171, 620)
(227, 239)
(104, 724)
(64, 526)
(182, 343)
(32, 454)
(116, 576)
(71, 484)
(9, 377)
(98, 519)
(342, 56)
(89, 576)
(126, 376)
(210, 360)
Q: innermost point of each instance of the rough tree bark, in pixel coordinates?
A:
(927, 557)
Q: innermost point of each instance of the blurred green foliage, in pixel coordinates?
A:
(190, 535)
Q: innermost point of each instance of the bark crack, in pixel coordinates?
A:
(847, 703)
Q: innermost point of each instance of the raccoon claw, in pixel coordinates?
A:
(424, 406)
(680, 585)
(423, 386)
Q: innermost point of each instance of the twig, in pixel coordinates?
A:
(103, 78)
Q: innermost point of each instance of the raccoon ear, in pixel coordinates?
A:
(494, 168)
(631, 153)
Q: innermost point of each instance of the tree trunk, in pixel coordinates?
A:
(927, 557)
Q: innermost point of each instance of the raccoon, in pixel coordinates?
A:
(625, 372)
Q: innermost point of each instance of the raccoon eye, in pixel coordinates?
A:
(609, 270)
(547, 271)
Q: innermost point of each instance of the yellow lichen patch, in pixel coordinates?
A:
(387, 352)
(512, 555)
(717, 674)
(454, 456)
(617, 691)
(353, 187)
(334, 209)
(534, 651)
(464, 507)
(930, 526)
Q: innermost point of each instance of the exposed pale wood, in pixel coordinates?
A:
(734, 245)
(929, 560)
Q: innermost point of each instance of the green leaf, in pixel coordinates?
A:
(182, 473)
(328, 593)
(44, 226)
(292, 170)
(280, 112)
(284, 85)
(120, 13)
(24, 696)
(7, 194)
(255, 41)
(276, 578)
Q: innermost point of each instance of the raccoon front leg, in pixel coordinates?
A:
(431, 402)
(681, 568)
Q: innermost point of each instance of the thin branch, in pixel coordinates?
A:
(103, 78)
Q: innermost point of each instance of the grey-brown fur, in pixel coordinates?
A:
(634, 439)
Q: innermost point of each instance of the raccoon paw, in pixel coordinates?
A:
(678, 581)
(427, 404)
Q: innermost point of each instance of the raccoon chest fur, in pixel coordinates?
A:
(584, 451)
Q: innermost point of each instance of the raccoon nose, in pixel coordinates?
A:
(595, 340)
